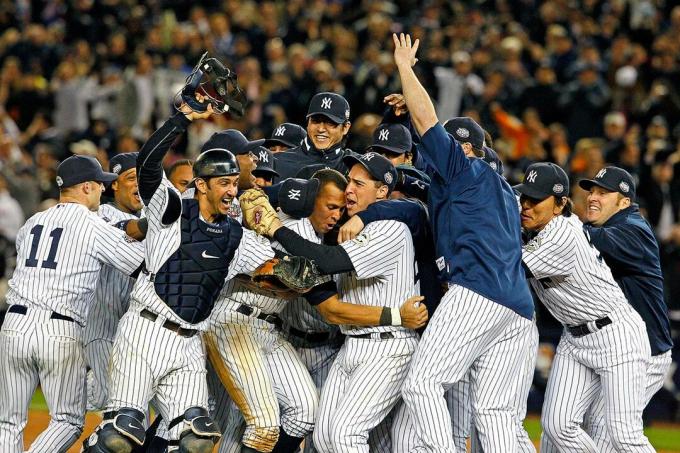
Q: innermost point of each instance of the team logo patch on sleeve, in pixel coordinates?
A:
(362, 239)
(533, 245)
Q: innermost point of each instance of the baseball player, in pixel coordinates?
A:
(603, 348)
(274, 371)
(113, 290)
(285, 137)
(379, 268)
(327, 128)
(180, 174)
(458, 396)
(60, 253)
(483, 323)
(192, 247)
(264, 172)
(628, 246)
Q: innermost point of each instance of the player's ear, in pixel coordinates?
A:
(201, 185)
(345, 128)
(382, 192)
(114, 185)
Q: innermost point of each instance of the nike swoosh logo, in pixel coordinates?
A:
(135, 427)
(205, 255)
(208, 424)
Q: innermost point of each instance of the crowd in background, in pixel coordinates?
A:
(582, 83)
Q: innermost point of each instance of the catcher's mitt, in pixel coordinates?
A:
(258, 214)
(285, 278)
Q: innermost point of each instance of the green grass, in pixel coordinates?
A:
(662, 437)
(665, 438)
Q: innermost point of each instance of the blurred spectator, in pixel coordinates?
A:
(661, 195)
(11, 215)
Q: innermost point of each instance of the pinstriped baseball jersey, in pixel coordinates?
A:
(163, 240)
(112, 294)
(297, 312)
(384, 270)
(60, 253)
(237, 292)
(570, 277)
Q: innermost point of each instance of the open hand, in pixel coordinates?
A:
(404, 52)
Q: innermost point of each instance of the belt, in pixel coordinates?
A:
(585, 329)
(376, 336)
(22, 309)
(179, 330)
(310, 337)
(267, 317)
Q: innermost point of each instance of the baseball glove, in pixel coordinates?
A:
(258, 214)
(284, 278)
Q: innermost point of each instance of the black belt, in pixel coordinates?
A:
(310, 337)
(382, 336)
(22, 309)
(179, 330)
(583, 329)
(270, 318)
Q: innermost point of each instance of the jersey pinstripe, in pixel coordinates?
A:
(297, 312)
(577, 286)
(384, 270)
(570, 277)
(162, 241)
(60, 253)
(112, 294)
(111, 300)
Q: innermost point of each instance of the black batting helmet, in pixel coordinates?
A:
(215, 162)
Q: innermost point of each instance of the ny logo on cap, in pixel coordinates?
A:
(60, 181)
(326, 103)
(384, 134)
(294, 194)
(531, 177)
(368, 156)
(280, 131)
(601, 173)
(264, 156)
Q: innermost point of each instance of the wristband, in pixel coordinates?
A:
(396, 317)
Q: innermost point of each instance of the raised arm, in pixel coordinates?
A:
(418, 101)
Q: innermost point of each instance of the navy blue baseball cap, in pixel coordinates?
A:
(331, 105)
(491, 158)
(287, 134)
(412, 171)
(380, 168)
(297, 196)
(265, 162)
(544, 179)
(394, 138)
(466, 130)
(77, 169)
(231, 140)
(119, 164)
(613, 179)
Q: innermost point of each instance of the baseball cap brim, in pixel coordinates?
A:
(587, 184)
(265, 170)
(273, 142)
(251, 146)
(335, 119)
(391, 149)
(106, 177)
(531, 192)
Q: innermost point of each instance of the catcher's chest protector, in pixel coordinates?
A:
(191, 279)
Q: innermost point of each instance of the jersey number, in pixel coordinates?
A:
(49, 263)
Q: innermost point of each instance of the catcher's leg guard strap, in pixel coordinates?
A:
(122, 433)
